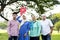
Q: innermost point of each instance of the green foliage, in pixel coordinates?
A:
(57, 25)
(45, 3)
(3, 25)
(56, 21)
(40, 3)
(55, 17)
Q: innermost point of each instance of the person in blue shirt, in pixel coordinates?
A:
(24, 28)
(35, 28)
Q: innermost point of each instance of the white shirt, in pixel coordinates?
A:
(46, 24)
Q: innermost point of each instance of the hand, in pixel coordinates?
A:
(50, 33)
(9, 35)
(25, 35)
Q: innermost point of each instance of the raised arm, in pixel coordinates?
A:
(18, 19)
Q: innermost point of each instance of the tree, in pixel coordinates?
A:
(55, 18)
(3, 4)
(56, 21)
(45, 3)
(57, 25)
(40, 3)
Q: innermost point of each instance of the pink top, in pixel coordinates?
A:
(13, 28)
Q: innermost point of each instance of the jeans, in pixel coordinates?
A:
(13, 38)
(34, 38)
(46, 37)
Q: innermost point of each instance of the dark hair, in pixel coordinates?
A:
(15, 13)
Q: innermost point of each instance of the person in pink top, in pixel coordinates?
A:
(13, 29)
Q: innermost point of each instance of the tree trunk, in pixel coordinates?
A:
(3, 6)
(4, 17)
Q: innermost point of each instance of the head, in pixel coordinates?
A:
(14, 15)
(43, 16)
(33, 17)
(24, 17)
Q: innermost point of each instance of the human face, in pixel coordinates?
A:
(14, 16)
(43, 17)
(33, 18)
(24, 17)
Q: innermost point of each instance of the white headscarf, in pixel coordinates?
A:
(23, 21)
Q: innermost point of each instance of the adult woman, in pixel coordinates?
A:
(24, 28)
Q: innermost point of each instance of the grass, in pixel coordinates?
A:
(4, 36)
(56, 37)
(2, 31)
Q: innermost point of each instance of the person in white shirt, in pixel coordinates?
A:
(47, 28)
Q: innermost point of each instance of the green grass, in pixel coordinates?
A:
(56, 37)
(4, 36)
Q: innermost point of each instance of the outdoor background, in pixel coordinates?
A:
(37, 7)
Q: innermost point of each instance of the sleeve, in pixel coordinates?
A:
(18, 19)
(28, 27)
(8, 27)
(39, 27)
(50, 23)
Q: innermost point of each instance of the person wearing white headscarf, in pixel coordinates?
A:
(24, 28)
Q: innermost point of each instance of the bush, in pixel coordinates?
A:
(57, 25)
(3, 25)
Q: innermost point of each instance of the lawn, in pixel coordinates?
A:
(4, 36)
(56, 37)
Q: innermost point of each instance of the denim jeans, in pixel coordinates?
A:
(46, 37)
(34, 38)
(13, 38)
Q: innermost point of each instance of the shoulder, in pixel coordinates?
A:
(48, 20)
(10, 20)
(38, 21)
(28, 22)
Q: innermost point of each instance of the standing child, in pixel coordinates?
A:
(13, 29)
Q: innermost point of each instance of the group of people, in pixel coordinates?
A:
(29, 30)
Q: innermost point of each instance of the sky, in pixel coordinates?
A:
(58, 0)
